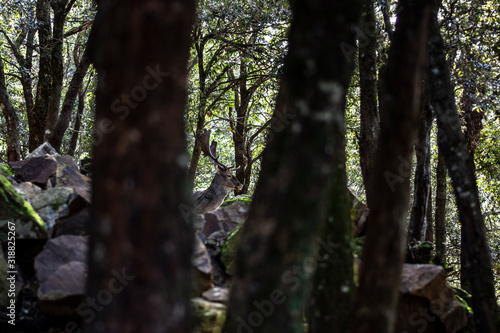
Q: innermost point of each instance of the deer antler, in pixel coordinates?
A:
(210, 150)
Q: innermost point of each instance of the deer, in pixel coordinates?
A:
(223, 181)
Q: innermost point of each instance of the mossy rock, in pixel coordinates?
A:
(6, 170)
(244, 198)
(14, 208)
(210, 316)
(231, 247)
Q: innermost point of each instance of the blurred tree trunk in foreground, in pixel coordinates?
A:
(140, 50)
(302, 173)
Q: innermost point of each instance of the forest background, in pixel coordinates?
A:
(47, 93)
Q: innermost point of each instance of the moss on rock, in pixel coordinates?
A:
(14, 208)
(244, 198)
(6, 170)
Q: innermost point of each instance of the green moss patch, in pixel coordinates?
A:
(14, 206)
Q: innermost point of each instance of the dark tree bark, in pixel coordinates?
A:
(333, 281)
(429, 232)
(239, 125)
(60, 9)
(27, 63)
(138, 231)
(69, 101)
(11, 119)
(422, 184)
(473, 118)
(460, 166)
(368, 111)
(80, 106)
(38, 116)
(78, 123)
(473, 127)
(384, 5)
(43, 116)
(300, 166)
(381, 264)
(202, 110)
(440, 211)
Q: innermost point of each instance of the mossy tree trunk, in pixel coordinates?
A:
(381, 264)
(138, 231)
(460, 166)
(301, 166)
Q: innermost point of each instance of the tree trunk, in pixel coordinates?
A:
(382, 258)
(78, 123)
(239, 125)
(473, 127)
(26, 80)
(333, 281)
(429, 232)
(422, 183)
(440, 213)
(38, 116)
(139, 238)
(69, 101)
(11, 119)
(57, 64)
(291, 200)
(202, 111)
(368, 111)
(460, 167)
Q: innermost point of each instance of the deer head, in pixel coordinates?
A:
(227, 180)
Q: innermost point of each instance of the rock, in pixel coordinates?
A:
(75, 224)
(217, 294)
(203, 277)
(427, 301)
(36, 170)
(419, 253)
(216, 241)
(86, 166)
(15, 209)
(52, 204)
(67, 175)
(230, 248)
(223, 219)
(27, 190)
(45, 149)
(61, 270)
(210, 316)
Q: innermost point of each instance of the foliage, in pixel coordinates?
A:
(21, 56)
(240, 45)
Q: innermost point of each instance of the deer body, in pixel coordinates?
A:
(212, 197)
(224, 181)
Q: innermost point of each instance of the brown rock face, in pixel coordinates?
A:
(427, 302)
(61, 269)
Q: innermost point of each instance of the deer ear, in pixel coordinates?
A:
(219, 168)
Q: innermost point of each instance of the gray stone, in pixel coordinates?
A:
(15, 209)
(52, 204)
(45, 149)
(61, 269)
